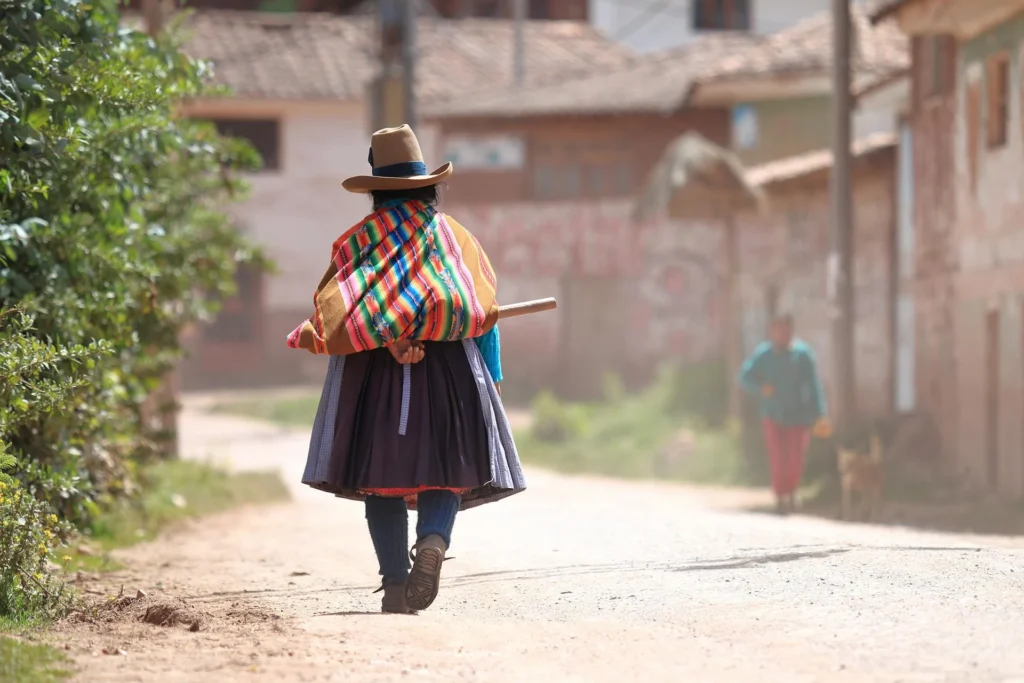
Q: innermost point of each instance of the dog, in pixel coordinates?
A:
(861, 473)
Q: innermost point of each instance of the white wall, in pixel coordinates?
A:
(880, 110)
(771, 16)
(630, 22)
(296, 213)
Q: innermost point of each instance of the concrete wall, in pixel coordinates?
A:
(671, 25)
(989, 257)
(802, 124)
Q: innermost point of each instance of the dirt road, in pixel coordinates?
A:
(575, 580)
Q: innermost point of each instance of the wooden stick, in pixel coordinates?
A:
(526, 308)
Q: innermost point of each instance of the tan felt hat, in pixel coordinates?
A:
(397, 164)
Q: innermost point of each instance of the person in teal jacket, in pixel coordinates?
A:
(783, 374)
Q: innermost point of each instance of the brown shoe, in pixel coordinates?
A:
(425, 578)
(393, 601)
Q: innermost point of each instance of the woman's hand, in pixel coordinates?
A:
(407, 351)
(822, 429)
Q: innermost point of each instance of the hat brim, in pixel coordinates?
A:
(362, 184)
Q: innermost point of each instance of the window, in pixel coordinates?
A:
(624, 179)
(585, 166)
(598, 181)
(937, 66)
(973, 116)
(539, 9)
(572, 183)
(997, 87)
(721, 15)
(486, 8)
(544, 183)
(264, 135)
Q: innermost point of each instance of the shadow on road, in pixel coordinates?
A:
(993, 517)
(545, 573)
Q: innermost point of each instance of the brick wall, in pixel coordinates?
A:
(988, 252)
(630, 295)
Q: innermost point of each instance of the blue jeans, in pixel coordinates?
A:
(388, 519)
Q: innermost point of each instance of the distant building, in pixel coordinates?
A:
(573, 10)
(555, 166)
(649, 26)
(779, 88)
(964, 138)
(299, 83)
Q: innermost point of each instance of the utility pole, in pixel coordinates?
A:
(393, 90)
(519, 67)
(840, 270)
(153, 16)
(409, 59)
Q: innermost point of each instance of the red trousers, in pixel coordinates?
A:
(786, 446)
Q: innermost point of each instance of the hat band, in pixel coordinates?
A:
(402, 170)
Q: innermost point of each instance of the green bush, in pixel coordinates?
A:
(701, 390)
(555, 421)
(112, 237)
(28, 534)
(638, 435)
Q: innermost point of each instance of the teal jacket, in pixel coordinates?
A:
(490, 348)
(798, 399)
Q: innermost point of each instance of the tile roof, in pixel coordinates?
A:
(806, 48)
(662, 82)
(283, 56)
(311, 56)
(657, 82)
(791, 168)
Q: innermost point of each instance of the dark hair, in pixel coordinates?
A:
(783, 319)
(427, 195)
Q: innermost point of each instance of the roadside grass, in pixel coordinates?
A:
(295, 410)
(173, 491)
(664, 432)
(22, 662)
(624, 435)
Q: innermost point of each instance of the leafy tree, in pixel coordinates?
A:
(112, 238)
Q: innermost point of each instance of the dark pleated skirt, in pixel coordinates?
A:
(450, 434)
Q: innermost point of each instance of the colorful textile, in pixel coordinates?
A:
(403, 272)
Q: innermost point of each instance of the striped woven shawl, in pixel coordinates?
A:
(403, 272)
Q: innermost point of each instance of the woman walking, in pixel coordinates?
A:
(783, 374)
(410, 416)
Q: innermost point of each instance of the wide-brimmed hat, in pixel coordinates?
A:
(397, 164)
